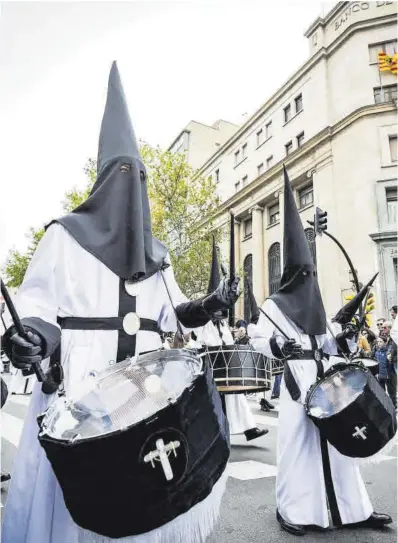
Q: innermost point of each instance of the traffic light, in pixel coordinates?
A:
(320, 221)
(370, 305)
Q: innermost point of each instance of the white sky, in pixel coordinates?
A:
(178, 61)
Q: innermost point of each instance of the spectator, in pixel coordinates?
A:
(372, 342)
(392, 363)
(393, 312)
(241, 337)
(380, 323)
(363, 344)
(381, 357)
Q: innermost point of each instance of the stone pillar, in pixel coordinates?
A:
(238, 266)
(258, 253)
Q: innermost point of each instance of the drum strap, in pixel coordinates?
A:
(327, 472)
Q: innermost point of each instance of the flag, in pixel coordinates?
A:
(394, 63)
(385, 62)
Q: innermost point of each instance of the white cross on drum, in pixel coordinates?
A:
(360, 432)
(161, 454)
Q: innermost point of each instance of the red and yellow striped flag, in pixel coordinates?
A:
(384, 62)
(394, 63)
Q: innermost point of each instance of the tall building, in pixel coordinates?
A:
(199, 141)
(334, 125)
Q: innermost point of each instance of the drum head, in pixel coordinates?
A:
(335, 392)
(367, 362)
(121, 396)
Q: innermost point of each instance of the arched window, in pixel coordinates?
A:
(274, 267)
(248, 276)
(310, 235)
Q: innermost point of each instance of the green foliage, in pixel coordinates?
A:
(180, 201)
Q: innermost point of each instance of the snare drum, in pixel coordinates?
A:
(238, 368)
(129, 450)
(369, 363)
(352, 411)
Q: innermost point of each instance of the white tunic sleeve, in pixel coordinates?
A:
(167, 320)
(264, 331)
(37, 296)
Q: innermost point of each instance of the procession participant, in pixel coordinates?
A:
(216, 332)
(99, 289)
(254, 313)
(311, 473)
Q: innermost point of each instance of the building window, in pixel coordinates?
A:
(260, 137)
(244, 151)
(300, 139)
(248, 276)
(260, 168)
(274, 268)
(299, 103)
(289, 147)
(385, 94)
(310, 235)
(244, 181)
(388, 47)
(237, 186)
(269, 161)
(287, 113)
(393, 148)
(391, 197)
(306, 196)
(217, 176)
(268, 130)
(273, 214)
(237, 157)
(247, 228)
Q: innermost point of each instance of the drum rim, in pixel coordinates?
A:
(74, 442)
(330, 371)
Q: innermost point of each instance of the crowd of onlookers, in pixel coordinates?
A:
(382, 348)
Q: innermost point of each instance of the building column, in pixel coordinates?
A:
(258, 253)
(238, 266)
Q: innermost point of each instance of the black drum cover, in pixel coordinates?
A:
(114, 484)
(352, 411)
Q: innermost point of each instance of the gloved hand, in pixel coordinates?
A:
(224, 297)
(26, 351)
(291, 348)
(349, 331)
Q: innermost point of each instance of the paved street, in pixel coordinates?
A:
(248, 511)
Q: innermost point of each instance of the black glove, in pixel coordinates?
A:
(291, 348)
(349, 332)
(26, 351)
(224, 297)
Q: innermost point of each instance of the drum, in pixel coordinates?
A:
(369, 363)
(129, 448)
(238, 368)
(352, 411)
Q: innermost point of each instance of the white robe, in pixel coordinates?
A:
(65, 280)
(20, 384)
(300, 487)
(238, 411)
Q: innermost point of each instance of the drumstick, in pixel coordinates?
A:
(19, 327)
(276, 326)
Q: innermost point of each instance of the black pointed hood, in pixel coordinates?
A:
(114, 223)
(214, 281)
(299, 296)
(347, 312)
(254, 311)
(214, 271)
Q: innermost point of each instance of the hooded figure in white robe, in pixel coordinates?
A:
(217, 333)
(312, 475)
(94, 272)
